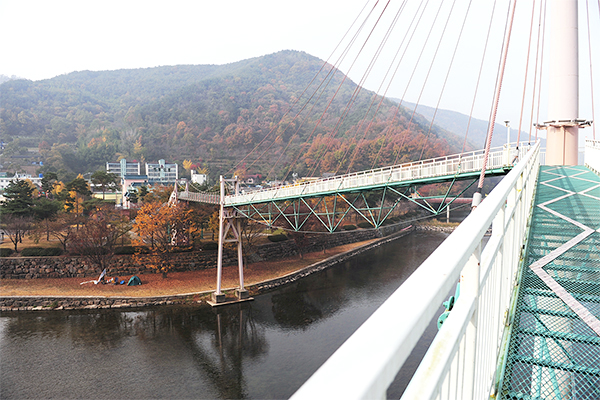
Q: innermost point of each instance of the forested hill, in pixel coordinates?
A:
(213, 116)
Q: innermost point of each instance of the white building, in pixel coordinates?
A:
(200, 179)
(162, 172)
(5, 180)
(124, 168)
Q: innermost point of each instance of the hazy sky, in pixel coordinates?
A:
(43, 39)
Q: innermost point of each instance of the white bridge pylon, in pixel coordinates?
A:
(501, 159)
(229, 221)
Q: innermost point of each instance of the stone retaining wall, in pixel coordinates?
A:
(122, 265)
(447, 229)
(126, 265)
(40, 303)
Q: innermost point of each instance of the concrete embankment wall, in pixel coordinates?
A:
(36, 303)
(123, 265)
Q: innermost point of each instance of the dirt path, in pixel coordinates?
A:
(175, 283)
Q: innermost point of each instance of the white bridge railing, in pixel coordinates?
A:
(200, 197)
(461, 361)
(435, 167)
(592, 155)
(442, 166)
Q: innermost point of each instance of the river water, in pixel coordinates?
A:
(264, 349)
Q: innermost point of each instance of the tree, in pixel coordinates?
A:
(251, 231)
(143, 191)
(63, 228)
(77, 192)
(161, 227)
(97, 237)
(213, 223)
(44, 211)
(79, 186)
(19, 199)
(49, 181)
(16, 226)
(105, 180)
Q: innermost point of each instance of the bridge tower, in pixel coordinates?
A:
(563, 105)
(229, 223)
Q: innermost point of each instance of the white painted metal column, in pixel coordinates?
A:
(217, 296)
(563, 103)
(229, 223)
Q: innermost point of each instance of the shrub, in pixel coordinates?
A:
(41, 251)
(210, 246)
(5, 252)
(88, 251)
(277, 238)
(181, 249)
(131, 250)
(349, 227)
(365, 224)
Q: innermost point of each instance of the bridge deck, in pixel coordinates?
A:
(554, 348)
(442, 169)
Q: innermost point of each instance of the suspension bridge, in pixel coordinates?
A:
(526, 324)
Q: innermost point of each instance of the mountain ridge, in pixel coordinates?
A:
(214, 116)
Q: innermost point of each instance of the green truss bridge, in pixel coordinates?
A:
(372, 194)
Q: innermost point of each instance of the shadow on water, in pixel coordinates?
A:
(263, 349)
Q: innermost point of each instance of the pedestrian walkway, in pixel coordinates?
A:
(554, 347)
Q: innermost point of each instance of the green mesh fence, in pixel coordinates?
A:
(554, 353)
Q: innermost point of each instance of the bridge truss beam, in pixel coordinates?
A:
(375, 205)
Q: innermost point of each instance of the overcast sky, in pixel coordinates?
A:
(43, 39)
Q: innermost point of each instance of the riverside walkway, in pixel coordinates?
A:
(554, 347)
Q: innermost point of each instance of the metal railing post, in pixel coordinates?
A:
(469, 287)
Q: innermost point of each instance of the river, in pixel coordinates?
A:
(264, 349)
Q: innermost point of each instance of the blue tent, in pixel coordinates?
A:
(134, 281)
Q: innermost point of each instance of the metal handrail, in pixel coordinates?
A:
(467, 345)
(441, 166)
(592, 155)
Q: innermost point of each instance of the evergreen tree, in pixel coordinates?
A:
(106, 180)
(19, 199)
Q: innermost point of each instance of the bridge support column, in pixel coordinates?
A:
(562, 145)
(229, 223)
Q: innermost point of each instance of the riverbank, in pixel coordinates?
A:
(190, 287)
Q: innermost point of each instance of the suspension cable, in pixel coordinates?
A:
(479, 76)
(359, 88)
(446, 78)
(526, 70)
(391, 121)
(346, 75)
(303, 92)
(541, 69)
(373, 98)
(587, 9)
(536, 88)
(414, 70)
(477, 195)
(327, 79)
(383, 97)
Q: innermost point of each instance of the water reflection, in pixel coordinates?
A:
(263, 349)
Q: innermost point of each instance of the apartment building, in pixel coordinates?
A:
(161, 172)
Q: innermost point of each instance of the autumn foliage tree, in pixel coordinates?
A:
(161, 227)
